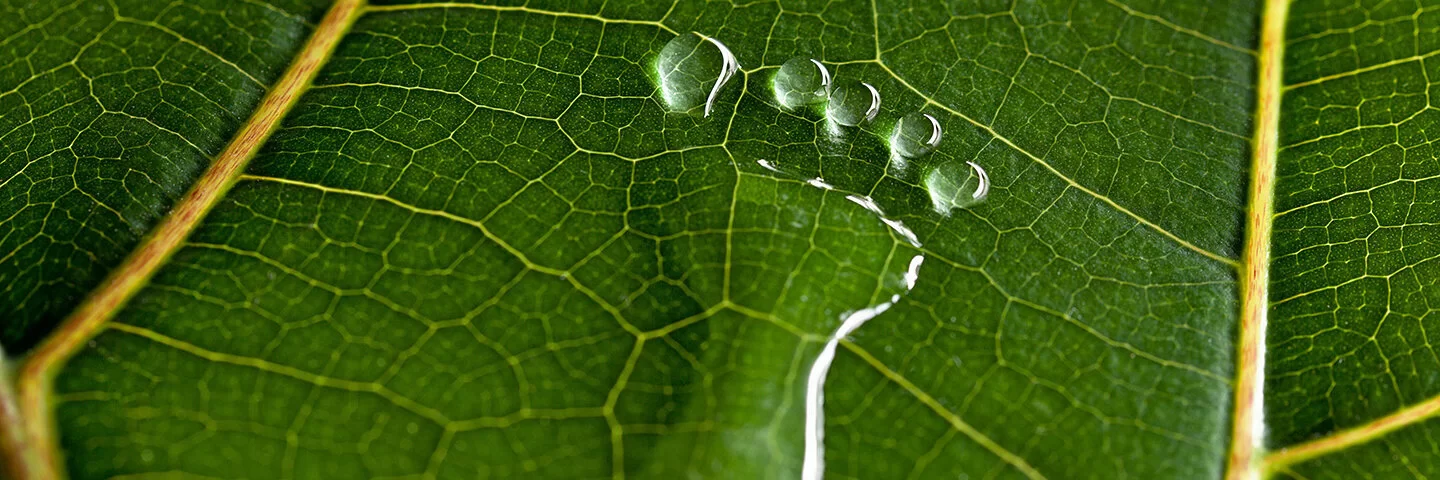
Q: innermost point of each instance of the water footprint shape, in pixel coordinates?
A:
(694, 68)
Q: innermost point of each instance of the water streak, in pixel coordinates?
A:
(813, 466)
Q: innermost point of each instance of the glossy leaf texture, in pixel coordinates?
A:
(108, 111)
(1356, 263)
(480, 246)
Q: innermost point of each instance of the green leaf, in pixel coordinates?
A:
(480, 245)
(1356, 265)
(108, 111)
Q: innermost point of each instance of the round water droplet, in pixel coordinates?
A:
(693, 68)
(802, 81)
(916, 134)
(957, 185)
(853, 103)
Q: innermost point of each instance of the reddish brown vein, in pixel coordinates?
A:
(1354, 435)
(36, 457)
(17, 463)
(1246, 427)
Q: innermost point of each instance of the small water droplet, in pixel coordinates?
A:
(801, 81)
(693, 68)
(853, 103)
(916, 134)
(956, 185)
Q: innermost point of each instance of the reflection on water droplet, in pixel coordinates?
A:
(820, 183)
(912, 274)
(867, 203)
(899, 227)
(801, 81)
(693, 68)
(853, 103)
(916, 134)
(955, 185)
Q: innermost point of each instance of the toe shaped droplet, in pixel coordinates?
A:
(693, 69)
(853, 103)
(801, 81)
(955, 185)
(915, 135)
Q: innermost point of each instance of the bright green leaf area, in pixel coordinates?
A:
(479, 245)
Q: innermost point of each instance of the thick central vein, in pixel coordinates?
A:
(38, 453)
(1247, 428)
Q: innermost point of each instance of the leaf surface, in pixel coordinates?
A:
(1357, 242)
(109, 110)
(480, 246)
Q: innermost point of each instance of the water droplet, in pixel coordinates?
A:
(853, 103)
(693, 68)
(916, 134)
(801, 81)
(956, 185)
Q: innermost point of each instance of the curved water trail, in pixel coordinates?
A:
(814, 463)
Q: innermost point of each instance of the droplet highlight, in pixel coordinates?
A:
(693, 68)
(801, 81)
(853, 103)
(915, 135)
(956, 185)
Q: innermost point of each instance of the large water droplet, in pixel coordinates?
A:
(802, 81)
(853, 103)
(916, 134)
(957, 185)
(693, 68)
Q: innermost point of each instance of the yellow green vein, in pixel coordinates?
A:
(1247, 431)
(39, 451)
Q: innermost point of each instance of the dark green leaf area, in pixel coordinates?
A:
(1356, 250)
(108, 111)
